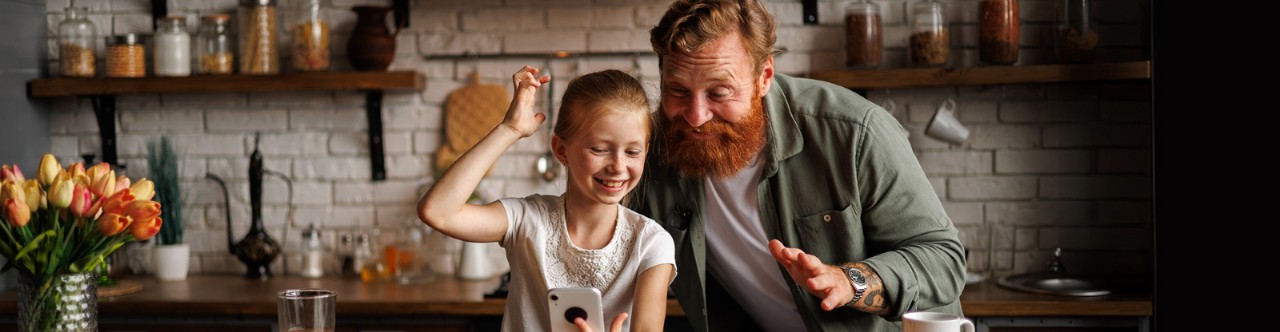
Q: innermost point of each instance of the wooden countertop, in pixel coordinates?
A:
(217, 295)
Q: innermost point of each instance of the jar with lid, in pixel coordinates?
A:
(864, 41)
(929, 44)
(998, 32)
(313, 253)
(258, 42)
(310, 31)
(1074, 36)
(126, 56)
(76, 38)
(213, 47)
(172, 55)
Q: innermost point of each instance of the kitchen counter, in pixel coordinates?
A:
(232, 295)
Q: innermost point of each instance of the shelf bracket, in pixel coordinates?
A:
(401, 9)
(104, 106)
(160, 8)
(810, 9)
(373, 112)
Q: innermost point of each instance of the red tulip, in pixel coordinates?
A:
(145, 229)
(111, 224)
(12, 173)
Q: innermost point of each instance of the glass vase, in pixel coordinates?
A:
(67, 302)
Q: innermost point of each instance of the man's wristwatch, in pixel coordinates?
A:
(858, 281)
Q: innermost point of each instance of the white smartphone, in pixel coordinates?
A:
(565, 304)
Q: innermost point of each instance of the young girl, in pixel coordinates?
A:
(585, 237)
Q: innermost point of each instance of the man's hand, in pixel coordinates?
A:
(616, 327)
(824, 281)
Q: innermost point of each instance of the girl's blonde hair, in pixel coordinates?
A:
(592, 95)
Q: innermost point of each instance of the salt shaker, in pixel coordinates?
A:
(313, 253)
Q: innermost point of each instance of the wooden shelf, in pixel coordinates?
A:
(987, 75)
(59, 87)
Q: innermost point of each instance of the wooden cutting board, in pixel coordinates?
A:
(470, 113)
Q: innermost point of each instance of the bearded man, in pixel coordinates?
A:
(795, 204)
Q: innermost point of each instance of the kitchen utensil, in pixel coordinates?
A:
(546, 165)
(257, 249)
(470, 113)
(945, 126)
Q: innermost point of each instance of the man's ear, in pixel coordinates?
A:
(766, 75)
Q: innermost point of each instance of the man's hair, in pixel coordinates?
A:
(592, 95)
(690, 24)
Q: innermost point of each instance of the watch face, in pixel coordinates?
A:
(855, 275)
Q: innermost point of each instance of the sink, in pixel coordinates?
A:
(1054, 284)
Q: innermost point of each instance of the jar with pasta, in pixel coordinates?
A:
(929, 44)
(76, 38)
(258, 37)
(213, 46)
(309, 29)
(864, 41)
(126, 56)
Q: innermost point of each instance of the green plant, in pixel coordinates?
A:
(163, 163)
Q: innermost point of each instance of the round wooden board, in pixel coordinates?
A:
(122, 287)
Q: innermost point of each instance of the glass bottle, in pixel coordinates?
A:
(258, 40)
(929, 44)
(310, 31)
(213, 47)
(998, 32)
(126, 56)
(864, 41)
(1074, 36)
(76, 36)
(172, 55)
(312, 253)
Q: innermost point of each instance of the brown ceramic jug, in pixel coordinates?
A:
(372, 45)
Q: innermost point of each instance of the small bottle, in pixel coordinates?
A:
(126, 56)
(258, 40)
(213, 47)
(76, 38)
(1074, 37)
(998, 32)
(864, 41)
(312, 254)
(310, 31)
(346, 254)
(929, 44)
(372, 268)
(172, 47)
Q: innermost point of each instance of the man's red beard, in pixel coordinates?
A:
(732, 147)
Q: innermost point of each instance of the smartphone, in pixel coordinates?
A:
(566, 304)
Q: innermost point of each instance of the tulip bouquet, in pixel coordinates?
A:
(67, 221)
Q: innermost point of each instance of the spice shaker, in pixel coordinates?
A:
(258, 41)
(172, 47)
(310, 30)
(76, 36)
(930, 38)
(998, 32)
(1074, 37)
(214, 45)
(126, 56)
(864, 41)
(313, 253)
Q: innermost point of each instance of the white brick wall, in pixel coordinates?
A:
(1046, 165)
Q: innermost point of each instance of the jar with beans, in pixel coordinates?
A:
(126, 56)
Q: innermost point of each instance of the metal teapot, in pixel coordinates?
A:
(257, 249)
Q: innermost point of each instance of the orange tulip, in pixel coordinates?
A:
(49, 169)
(111, 224)
(76, 169)
(142, 210)
(12, 173)
(16, 212)
(143, 190)
(145, 229)
(82, 202)
(118, 203)
(10, 190)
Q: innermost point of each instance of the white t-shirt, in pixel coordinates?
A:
(542, 257)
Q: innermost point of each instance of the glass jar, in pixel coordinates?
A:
(172, 47)
(864, 41)
(126, 56)
(1074, 37)
(310, 31)
(76, 36)
(213, 47)
(929, 44)
(258, 42)
(998, 32)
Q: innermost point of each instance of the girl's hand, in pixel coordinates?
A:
(616, 327)
(521, 117)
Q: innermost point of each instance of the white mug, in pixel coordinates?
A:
(925, 321)
(944, 125)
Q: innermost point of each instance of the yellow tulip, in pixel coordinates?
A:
(10, 190)
(16, 212)
(60, 193)
(76, 169)
(143, 190)
(104, 185)
(121, 183)
(35, 197)
(49, 169)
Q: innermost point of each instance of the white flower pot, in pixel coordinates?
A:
(171, 261)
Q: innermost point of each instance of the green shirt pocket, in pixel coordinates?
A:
(832, 235)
